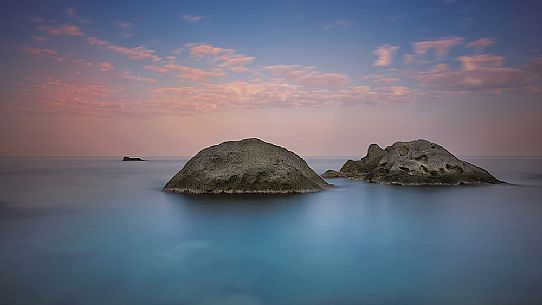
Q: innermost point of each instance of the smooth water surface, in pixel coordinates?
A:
(101, 231)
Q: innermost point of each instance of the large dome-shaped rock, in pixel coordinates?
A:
(418, 162)
(246, 166)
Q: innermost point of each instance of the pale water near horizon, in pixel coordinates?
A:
(101, 231)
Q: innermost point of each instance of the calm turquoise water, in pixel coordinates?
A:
(100, 231)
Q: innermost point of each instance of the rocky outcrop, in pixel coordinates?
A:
(365, 165)
(246, 166)
(132, 159)
(334, 174)
(418, 162)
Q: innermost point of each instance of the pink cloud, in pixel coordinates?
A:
(136, 53)
(535, 66)
(475, 62)
(186, 72)
(39, 38)
(97, 42)
(60, 96)
(381, 79)
(440, 68)
(309, 76)
(238, 95)
(480, 79)
(106, 66)
(384, 54)
(257, 94)
(248, 95)
(386, 80)
(42, 53)
(478, 73)
(239, 69)
(227, 58)
(54, 95)
(201, 50)
(129, 75)
(50, 53)
(103, 66)
(399, 90)
(66, 29)
(235, 60)
(481, 43)
(441, 47)
(156, 68)
(409, 59)
(534, 89)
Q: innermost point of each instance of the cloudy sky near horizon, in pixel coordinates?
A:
(318, 77)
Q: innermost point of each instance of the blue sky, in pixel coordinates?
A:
(379, 63)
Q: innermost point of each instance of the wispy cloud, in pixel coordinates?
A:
(343, 23)
(39, 38)
(235, 62)
(65, 29)
(441, 47)
(136, 53)
(204, 77)
(309, 76)
(267, 94)
(474, 62)
(105, 66)
(54, 54)
(481, 44)
(55, 95)
(102, 66)
(42, 53)
(534, 66)
(201, 50)
(381, 79)
(226, 58)
(409, 59)
(127, 74)
(186, 72)
(192, 18)
(71, 12)
(125, 28)
(384, 55)
(484, 72)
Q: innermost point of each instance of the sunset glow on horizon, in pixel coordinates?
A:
(318, 77)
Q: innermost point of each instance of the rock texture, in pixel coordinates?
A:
(418, 162)
(132, 159)
(365, 165)
(246, 166)
(334, 174)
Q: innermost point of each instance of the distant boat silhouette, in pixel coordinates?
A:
(132, 159)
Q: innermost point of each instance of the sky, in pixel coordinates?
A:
(322, 78)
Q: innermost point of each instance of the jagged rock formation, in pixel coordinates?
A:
(246, 166)
(365, 165)
(418, 162)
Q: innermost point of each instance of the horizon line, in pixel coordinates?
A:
(189, 156)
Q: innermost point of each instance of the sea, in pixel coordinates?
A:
(96, 230)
